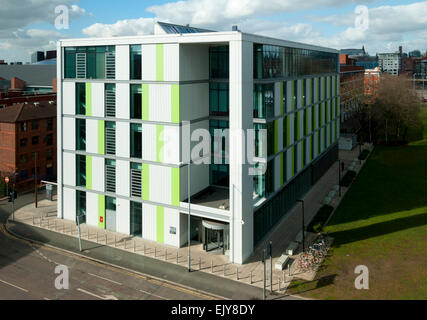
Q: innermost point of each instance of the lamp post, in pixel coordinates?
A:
(189, 199)
(339, 176)
(303, 225)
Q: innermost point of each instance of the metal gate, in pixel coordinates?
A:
(110, 220)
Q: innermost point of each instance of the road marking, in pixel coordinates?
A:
(152, 294)
(109, 297)
(25, 290)
(94, 275)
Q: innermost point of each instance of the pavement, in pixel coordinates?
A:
(211, 273)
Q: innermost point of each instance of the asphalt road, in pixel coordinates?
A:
(27, 271)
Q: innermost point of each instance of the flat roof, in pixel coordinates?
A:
(202, 37)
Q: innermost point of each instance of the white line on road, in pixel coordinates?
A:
(25, 290)
(94, 275)
(152, 294)
(96, 296)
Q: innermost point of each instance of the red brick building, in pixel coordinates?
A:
(372, 80)
(27, 129)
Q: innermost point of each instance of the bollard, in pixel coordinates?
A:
(251, 277)
(237, 273)
(278, 284)
(134, 246)
(97, 237)
(33, 220)
(115, 241)
(144, 248)
(63, 228)
(105, 239)
(126, 243)
(177, 252)
(200, 263)
(223, 269)
(55, 225)
(211, 266)
(166, 254)
(155, 252)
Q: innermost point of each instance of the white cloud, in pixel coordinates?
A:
(121, 28)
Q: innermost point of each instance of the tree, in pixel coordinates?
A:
(395, 108)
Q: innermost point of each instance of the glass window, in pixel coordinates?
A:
(269, 178)
(110, 203)
(81, 98)
(110, 99)
(70, 62)
(259, 182)
(35, 140)
(110, 175)
(270, 138)
(23, 126)
(136, 219)
(49, 124)
(260, 140)
(263, 101)
(135, 62)
(49, 154)
(135, 101)
(110, 137)
(218, 98)
(135, 179)
(80, 170)
(81, 134)
(49, 139)
(81, 205)
(136, 140)
(23, 142)
(219, 62)
(23, 158)
(34, 125)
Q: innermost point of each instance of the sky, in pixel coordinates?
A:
(380, 26)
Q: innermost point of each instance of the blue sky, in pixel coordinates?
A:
(28, 25)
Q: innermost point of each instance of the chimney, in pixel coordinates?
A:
(400, 49)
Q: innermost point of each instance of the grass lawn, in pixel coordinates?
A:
(382, 224)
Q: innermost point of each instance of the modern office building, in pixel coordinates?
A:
(391, 62)
(123, 108)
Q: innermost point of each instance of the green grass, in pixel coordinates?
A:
(381, 223)
(423, 141)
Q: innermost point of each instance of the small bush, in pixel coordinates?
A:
(348, 178)
(364, 154)
(320, 218)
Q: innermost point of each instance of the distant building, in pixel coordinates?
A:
(50, 54)
(372, 80)
(37, 56)
(351, 99)
(9, 97)
(32, 77)
(391, 62)
(27, 129)
(354, 53)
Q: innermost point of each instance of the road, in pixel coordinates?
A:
(27, 272)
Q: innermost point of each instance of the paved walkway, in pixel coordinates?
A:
(250, 273)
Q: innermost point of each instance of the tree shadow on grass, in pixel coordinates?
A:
(319, 283)
(378, 229)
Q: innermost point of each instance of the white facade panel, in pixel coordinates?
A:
(98, 179)
(149, 136)
(98, 99)
(149, 222)
(160, 186)
(123, 137)
(171, 219)
(122, 62)
(123, 100)
(69, 163)
(171, 62)
(160, 102)
(299, 91)
(91, 136)
(277, 98)
(92, 209)
(123, 216)
(69, 205)
(123, 178)
(171, 147)
(194, 101)
(148, 62)
(69, 100)
(69, 139)
(289, 96)
(199, 179)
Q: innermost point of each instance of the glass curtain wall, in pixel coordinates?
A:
(80, 170)
(81, 98)
(136, 140)
(135, 62)
(136, 219)
(135, 101)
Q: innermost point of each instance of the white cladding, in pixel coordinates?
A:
(69, 175)
(123, 101)
(92, 209)
(69, 139)
(69, 101)
(122, 62)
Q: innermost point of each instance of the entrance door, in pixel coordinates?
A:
(214, 239)
(110, 220)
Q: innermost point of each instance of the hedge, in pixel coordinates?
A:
(320, 218)
(348, 178)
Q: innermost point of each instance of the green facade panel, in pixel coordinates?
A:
(145, 96)
(101, 137)
(160, 143)
(88, 99)
(160, 223)
(159, 62)
(101, 211)
(175, 103)
(89, 172)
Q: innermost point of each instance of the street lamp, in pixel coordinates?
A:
(303, 225)
(189, 199)
(339, 175)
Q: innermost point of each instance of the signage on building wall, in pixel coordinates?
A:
(172, 230)
(101, 219)
(6, 179)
